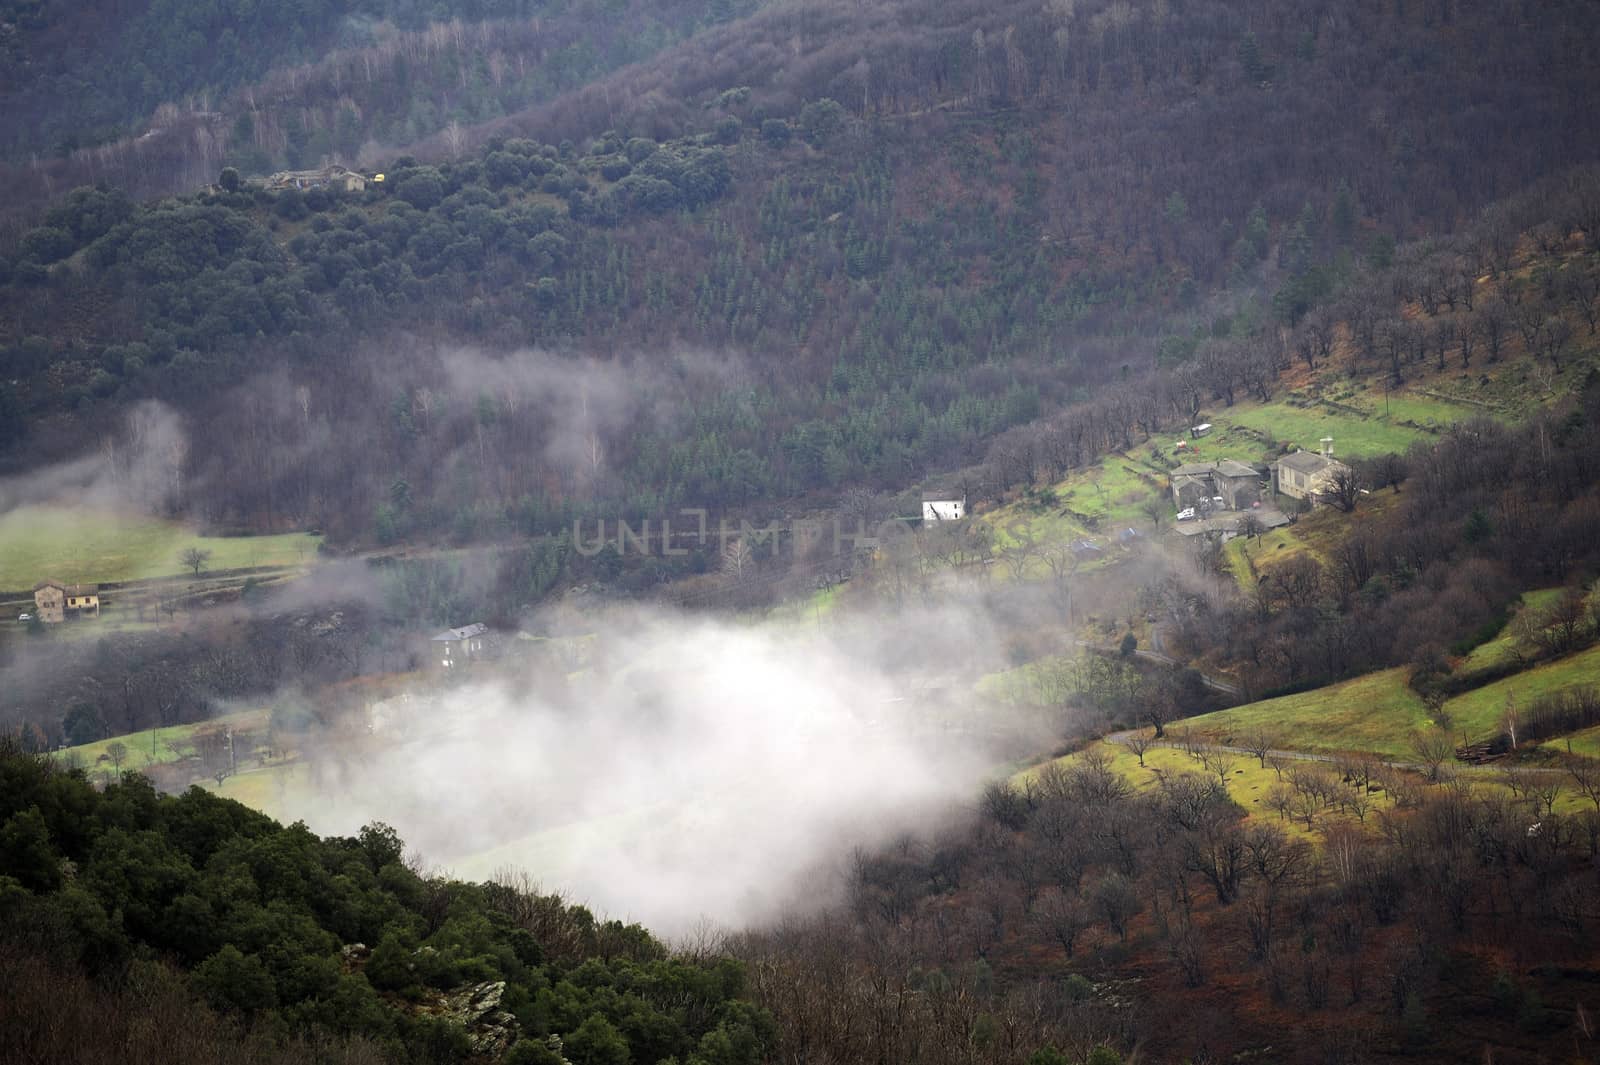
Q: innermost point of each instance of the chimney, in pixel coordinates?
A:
(1327, 447)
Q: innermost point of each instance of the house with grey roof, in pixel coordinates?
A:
(1223, 485)
(1238, 483)
(454, 648)
(1307, 474)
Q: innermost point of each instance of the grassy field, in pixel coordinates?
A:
(1248, 783)
(1353, 435)
(73, 544)
(1315, 534)
(151, 747)
(268, 788)
(1479, 712)
(1497, 651)
(1376, 713)
(1586, 743)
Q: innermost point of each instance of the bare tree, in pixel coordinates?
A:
(195, 558)
(1555, 334)
(117, 751)
(1585, 774)
(1494, 321)
(1218, 761)
(1138, 742)
(1060, 916)
(1343, 488)
(1259, 742)
(1251, 527)
(1544, 789)
(1155, 508)
(1019, 553)
(1582, 288)
(1432, 747)
(215, 748)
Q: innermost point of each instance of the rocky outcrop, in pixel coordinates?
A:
(476, 1007)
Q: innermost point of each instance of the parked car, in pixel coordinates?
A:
(24, 616)
(1186, 514)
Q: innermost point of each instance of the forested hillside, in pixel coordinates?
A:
(991, 225)
(322, 78)
(193, 907)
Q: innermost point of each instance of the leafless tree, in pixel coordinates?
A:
(1432, 748)
(1138, 742)
(117, 751)
(1585, 774)
(1060, 916)
(1494, 321)
(1555, 334)
(1155, 508)
(195, 558)
(1259, 741)
(1219, 761)
(1343, 488)
(215, 748)
(1582, 289)
(1117, 901)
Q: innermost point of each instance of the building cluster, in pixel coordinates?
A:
(55, 602)
(329, 177)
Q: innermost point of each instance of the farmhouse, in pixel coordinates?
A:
(1237, 484)
(943, 505)
(329, 177)
(1307, 474)
(55, 602)
(454, 648)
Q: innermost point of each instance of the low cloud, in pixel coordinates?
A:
(696, 769)
(140, 464)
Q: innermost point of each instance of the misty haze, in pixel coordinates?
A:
(799, 532)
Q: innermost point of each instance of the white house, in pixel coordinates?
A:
(943, 506)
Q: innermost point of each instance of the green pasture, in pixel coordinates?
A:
(77, 544)
(1248, 782)
(1479, 712)
(1376, 713)
(1502, 648)
(153, 746)
(1354, 436)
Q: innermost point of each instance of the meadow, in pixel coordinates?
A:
(78, 544)
(155, 746)
(1376, 713)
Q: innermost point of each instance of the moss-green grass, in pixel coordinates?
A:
(151, 746)
(1479, 712)
(279, 789)
(1353, 435)
(1248, 782)
(1421, 410)
(1503, 647)
(1376, 713)
(80, 544)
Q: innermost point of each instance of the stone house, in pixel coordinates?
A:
(1192, 483)
(55, 602)
(1238, 483)
(1306, 474)
(454, 648)
(329, 177)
